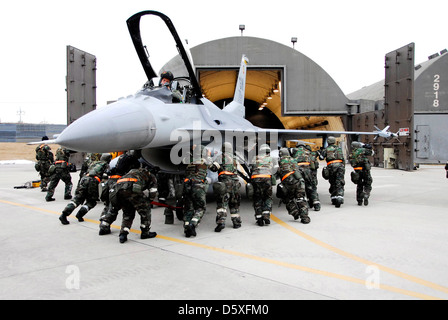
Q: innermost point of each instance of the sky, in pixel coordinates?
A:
(347, 38)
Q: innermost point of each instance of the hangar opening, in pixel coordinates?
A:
(263, 93)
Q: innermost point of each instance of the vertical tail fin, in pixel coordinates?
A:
(237, 105)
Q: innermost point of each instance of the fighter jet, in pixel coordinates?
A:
(164, 130)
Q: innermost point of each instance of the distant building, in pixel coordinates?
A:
(27, 132)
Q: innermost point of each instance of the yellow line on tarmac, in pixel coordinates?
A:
(261, 259)
(359, 259)
(301, 268)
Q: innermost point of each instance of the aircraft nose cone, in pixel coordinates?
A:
(123, 125)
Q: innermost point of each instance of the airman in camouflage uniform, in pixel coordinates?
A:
(227, 189)
(195, 188)
(60, 171)
(87, 192)
(305, 165)
(125, 163)
(334, 171)
(262, 169)
(292, 187)
(128, 195)
(361, 175)
(45, 159)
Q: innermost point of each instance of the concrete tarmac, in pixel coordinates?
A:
(392, 249)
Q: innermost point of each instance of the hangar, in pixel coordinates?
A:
(284, 88)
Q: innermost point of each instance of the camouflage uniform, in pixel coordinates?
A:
(361, 175)
(87, 192)
(125, 163)
(45, 159)
(91, 157)
(314, 166)
(227, 189)
(195, 189)
(292, 187)
(128, 195)
(263, 168)
(60, 171)
(334, 171)
(304, 164)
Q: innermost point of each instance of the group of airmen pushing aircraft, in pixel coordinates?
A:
(131, 186)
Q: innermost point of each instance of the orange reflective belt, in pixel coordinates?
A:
(303, 164)
(226, 172)
(287, 175)
(115, 177)
(186, 180)
(96, 177)
(334, 161)
(357, 168)
(127, 180)
(61, 161)
(260, 176)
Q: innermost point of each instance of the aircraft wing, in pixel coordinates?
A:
(291, 134)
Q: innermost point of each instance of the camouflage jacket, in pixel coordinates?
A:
(286, 165)
(263, 165)
(44, 154)
(98, 169)
(197, 166)
(358, 157)
(228, 165)
(137, 181)
(332, 153)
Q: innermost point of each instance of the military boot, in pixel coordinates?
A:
(190, 230)
(123, 237)
(267, 217)
(305, 219)
(236, 218)
(316, 205)
(169, 216)
(49, 197)
(104, 228)
(219, 227)
(146, 234)
(63, 219)
(236, 223)
(81, 213)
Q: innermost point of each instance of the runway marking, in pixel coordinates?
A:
(276, 262)
(359, 259)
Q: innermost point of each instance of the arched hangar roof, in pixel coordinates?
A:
(305, 88)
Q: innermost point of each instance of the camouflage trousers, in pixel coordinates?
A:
(195, 201)
(294, 197)
(229, 198)
(310, 184)
(364, 185)
(108, 208)
(86, 193)
(337, 182)
(262, 198)
(64, 175)
(130, 202)
(45, 176)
